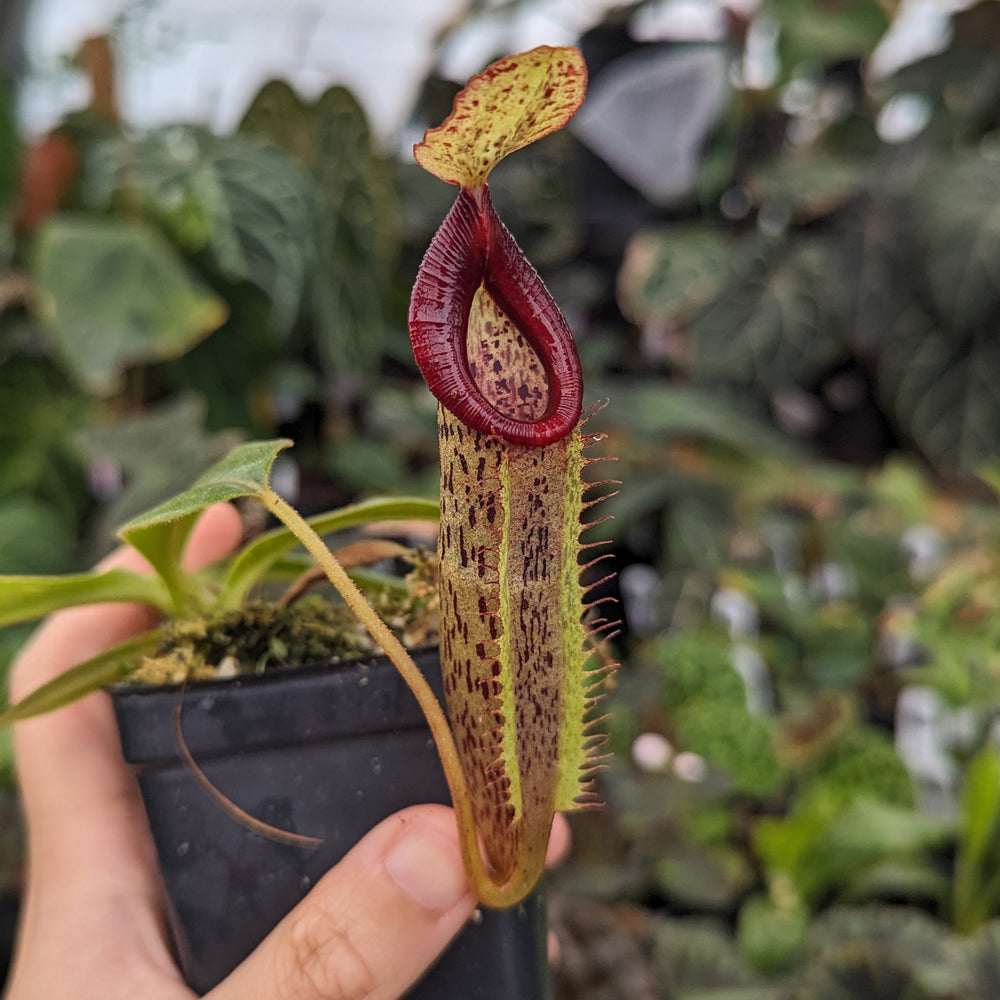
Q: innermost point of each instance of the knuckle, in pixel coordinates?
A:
(322, 962)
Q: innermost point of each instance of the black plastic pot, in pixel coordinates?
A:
(328, 752)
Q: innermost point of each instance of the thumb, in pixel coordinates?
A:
(371, 926)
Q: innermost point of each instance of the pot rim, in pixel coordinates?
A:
(363, 696)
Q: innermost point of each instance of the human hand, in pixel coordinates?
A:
(92, 924)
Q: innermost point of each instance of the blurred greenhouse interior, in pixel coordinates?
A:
(774, 228)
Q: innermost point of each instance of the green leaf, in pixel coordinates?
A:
(34, 537)
(667, 275)
(358, 237)
(941, 388)
(980, 804)
(249, 208)
(871, 280)
(867, 832)
(365, 465)
(881, 953)
(278, 114)
(989, 473)
(161, 533)
(357, 228)
(917, 880)
(692, 957)
(815, 33)
(10, 146)
(258, 556)
(117, 294)
(91, 675)
(959, 210)
(810, 181)
(155, 454)
(771, 328)
(24, 598)
(659, 410)
(771, 936)
(976, 889)
(40, 411)
(703, 877)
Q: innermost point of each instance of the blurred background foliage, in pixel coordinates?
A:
(778, 247)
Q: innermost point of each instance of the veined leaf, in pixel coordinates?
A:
(512, 103)
(357, 235)
(356, 220)
(942, 388)
(244, 472)
(24, 598)
(90, 675)
(249, 209)
(772, 328)
(118, 294)
(161, 533)
(959, 208)
(668, 275)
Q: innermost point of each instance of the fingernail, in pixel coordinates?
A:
(428, 869)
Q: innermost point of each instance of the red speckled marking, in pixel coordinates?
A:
(474, 249)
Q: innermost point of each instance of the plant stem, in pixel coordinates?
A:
(489, 892)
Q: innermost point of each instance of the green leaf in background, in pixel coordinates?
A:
(278, 114)
(733, 740)
(815, 33)
(40, 411)
(871, 278)
(826, 844)
(697, 957)
(880, 953)
(34, 537)
(943, 388)
(10, 145)
(977, 883)
(661, 410)
(667, 275)
(989, 473)
(90, 675)
(771, 935)
(152, 455)
(982, 960)
(365, 465)
(24, 598)
(357, 221)
(958, 206)
(117, 294)
(913, 879)
(249, 208)
(811, 182)
(771, 329)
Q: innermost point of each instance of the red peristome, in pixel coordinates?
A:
(472, 248)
